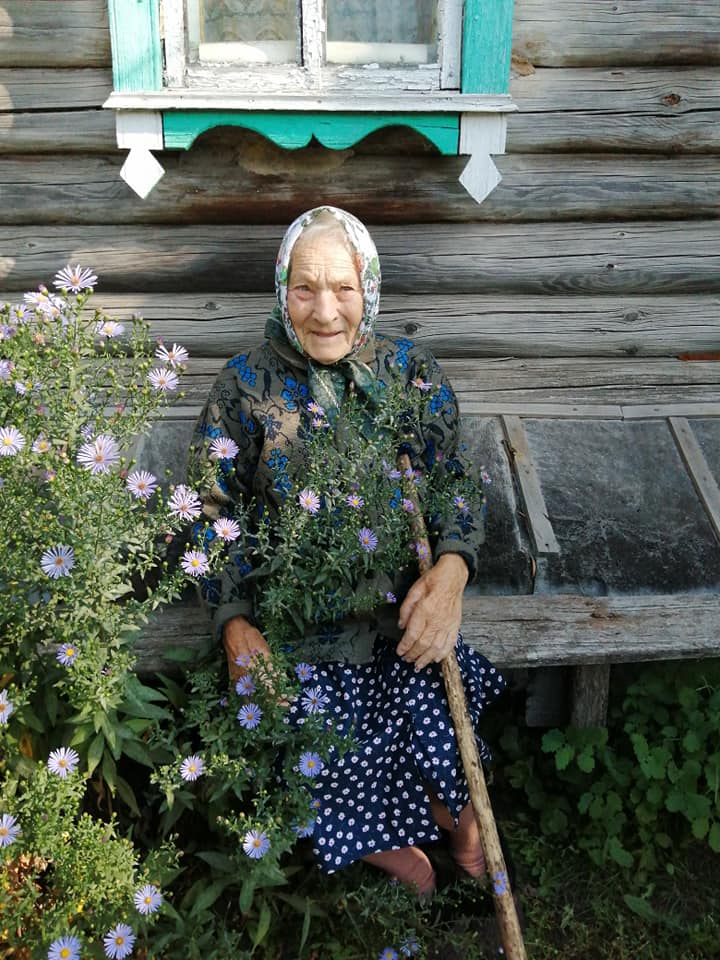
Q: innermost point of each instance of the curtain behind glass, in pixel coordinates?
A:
(382, 21)
(248, 21)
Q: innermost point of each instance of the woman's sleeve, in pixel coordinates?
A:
(458, 527)
(227, 413)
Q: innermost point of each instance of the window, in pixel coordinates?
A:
(294, 69)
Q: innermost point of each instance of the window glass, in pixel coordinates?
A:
(375, 31)
(246, 31)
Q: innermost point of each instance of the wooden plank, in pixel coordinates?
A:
(642, 411)
(530, 631)
(54, 33)
(203, 186)
(136, 45)
(454, 325)
(487, 39)
(57, 89)
(698, 468)
(569, 258)
(611, 32)
(60, 132)
(673, 110)
(535, 511)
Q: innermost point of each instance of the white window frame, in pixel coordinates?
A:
(314, 75)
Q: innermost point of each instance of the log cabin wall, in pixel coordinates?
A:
(600, 241)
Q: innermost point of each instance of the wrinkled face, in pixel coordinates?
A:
(324, 296)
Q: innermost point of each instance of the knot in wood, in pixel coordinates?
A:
(672, 99)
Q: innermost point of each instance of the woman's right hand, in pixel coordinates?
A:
(241, 638)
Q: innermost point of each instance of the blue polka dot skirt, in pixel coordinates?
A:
(375, 797)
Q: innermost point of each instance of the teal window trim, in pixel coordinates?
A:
(487, 46)
(294, 129)
(136, 45)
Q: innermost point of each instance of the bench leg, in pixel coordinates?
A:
(590, 691)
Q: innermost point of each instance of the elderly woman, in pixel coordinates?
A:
(381, 800)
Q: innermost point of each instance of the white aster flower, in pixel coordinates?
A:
(75, 279)
(9, 830)
(226, 529)
(185, 503)
(172, 357)
(58, 561)
(63, 761)
(118, 943)
(109, 328)
(163, 378)
(41, 445)
(6, 707)
(19, 313)
(195, 563)
(223, 448)
(11, 441)
(141, 484)
(99, 455)
(192, 767)
(48, 304)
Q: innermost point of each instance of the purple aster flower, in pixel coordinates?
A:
(99, 455)
(75, 279)
(407, 505)
(58, 561)
(109, 328)
(9, 830)
(6, 707)
(49, 476)
(388, 953)
(355, 501)
(421, 384)
(11, 441)
(64, 948)
(192, 767)
(173, 357)
(223, 448)
(368, 540)
(141, 484)
(305, 829)
(147, 899)
(421, 549)
(392, 473)
(63, 761)
(7, 332)
(243, 660)
(256, 844)
(310, 764)
(305, 671)
(185, 503)
(314, 700)
(250, 716)
(315, 408)
(485, 476)
(163, 379)
(461, 504)
(67, 654)
(6, 369)
(309, 500)
(390, 597)
(119, 942)
(499, 883)
(245, 686)
(19, 313)
(318, 422)
(227, 529)
(195, 563)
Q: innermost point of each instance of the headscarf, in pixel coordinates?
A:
(327, 383)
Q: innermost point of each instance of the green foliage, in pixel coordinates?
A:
(632, 792)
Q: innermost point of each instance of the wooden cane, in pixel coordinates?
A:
(506, 913)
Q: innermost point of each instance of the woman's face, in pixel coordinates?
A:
(324, 297)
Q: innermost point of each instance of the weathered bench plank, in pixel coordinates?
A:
(528, 631)
(204, 186)
(583, 259)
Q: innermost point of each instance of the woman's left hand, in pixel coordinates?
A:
(431, 612)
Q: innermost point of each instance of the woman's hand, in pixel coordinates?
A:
(241, 638)
(431, 613)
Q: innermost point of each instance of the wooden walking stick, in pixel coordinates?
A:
(506, 913)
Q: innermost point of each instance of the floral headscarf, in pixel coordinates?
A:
(328, 382)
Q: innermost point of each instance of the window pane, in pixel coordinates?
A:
(375, 31)
(255, 31)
